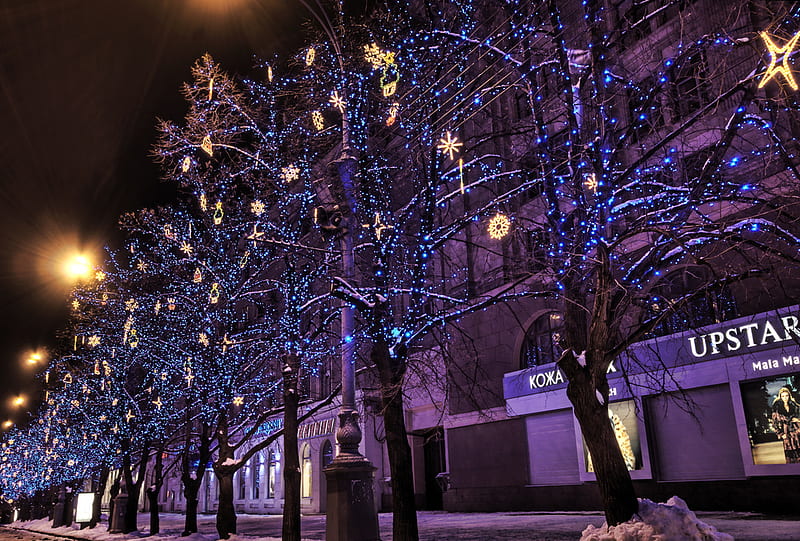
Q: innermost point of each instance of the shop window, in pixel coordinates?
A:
(541, 344)
(258, 472)
(772, 414)
(305, 469)
(272, 473)
(327, 453)
(713, 304)
(624, 421)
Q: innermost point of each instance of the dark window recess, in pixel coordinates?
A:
(702, 421)
(541, 344)
(712, 303)
(689, 86)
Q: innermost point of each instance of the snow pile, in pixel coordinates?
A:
(671, 521)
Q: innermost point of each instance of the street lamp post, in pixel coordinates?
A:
(351, 512)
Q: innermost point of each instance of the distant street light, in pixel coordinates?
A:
(7, 425)
(34, 358)
(78, 267)
(18, 401)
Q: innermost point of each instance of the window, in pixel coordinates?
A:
(243, 483)
(713, 303)
(272, 472)
(327, 453)
(689, 89)
(305, 469)
(258, 472)
(541, 344)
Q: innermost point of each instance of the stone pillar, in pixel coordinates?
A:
(351, 511)
(117, 520)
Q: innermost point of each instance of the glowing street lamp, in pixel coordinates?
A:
(78, 267)
(18, 401)
(34, 358)
(7, 425)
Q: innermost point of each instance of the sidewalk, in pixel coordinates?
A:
(434, 525)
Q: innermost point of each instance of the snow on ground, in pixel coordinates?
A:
(658, 522)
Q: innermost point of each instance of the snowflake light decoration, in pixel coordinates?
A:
(238, 400)
(99, 276)
(290, 173)
(318, 120)
(186, 248)
(203, 339)
(591, 182)
(131, 305)
(337, 101)
(94, 341)
(499, 226)
(449, 145)
(141, 266)
(257, 207)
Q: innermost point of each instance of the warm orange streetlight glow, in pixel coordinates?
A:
(78, 267)
(7, 425)
(34, 358)
(19, 400)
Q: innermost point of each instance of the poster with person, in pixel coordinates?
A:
(772, 413)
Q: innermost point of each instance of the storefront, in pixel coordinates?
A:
(695, 412)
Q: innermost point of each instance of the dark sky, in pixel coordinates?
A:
(81, 85)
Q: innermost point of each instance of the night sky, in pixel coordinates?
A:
(81, 85)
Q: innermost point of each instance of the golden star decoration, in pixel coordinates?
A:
(779, 60)
(256, 234)
(257, 207)
(99, 276)
(142, 266)
(94, 341)
(379, 226)
(238, 400)
(499, 226)
(76, 305)
(186, 248)
(203, 339)
(449, 145)
(158, 402)
(337, 101)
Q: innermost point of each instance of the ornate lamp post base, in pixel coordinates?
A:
(352, 515)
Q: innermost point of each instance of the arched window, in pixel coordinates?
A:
(541, 344)
(327, 453)
(258, 473)
(243, 483)
(710, 303)
(305, 469)
(272, 473)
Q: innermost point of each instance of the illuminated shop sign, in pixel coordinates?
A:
(734, 339)
(554, 376)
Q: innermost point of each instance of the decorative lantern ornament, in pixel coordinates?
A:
(499, 226)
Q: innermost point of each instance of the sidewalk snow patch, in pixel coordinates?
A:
(671, 521)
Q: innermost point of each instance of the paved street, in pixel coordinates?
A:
(440, 526)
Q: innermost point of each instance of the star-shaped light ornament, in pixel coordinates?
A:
(257, 207)
(158, 402)
(186, 164)
(129, 416)
(186, 248)
(256, 234)
(499, 226)
(94, 341)
(99, 276)
(238, 400)
(290, 173)
(131, 305)
(76, 305)
(337, 101)
(141, 266)
(779, 60)
(203, 339)
(379, 226)
(449, 145)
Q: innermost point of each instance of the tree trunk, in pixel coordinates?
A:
(291, 460)
(226, 513)
(100, 488)
(191, 487)
(613, 478)
(224, 470)
(404, 510)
